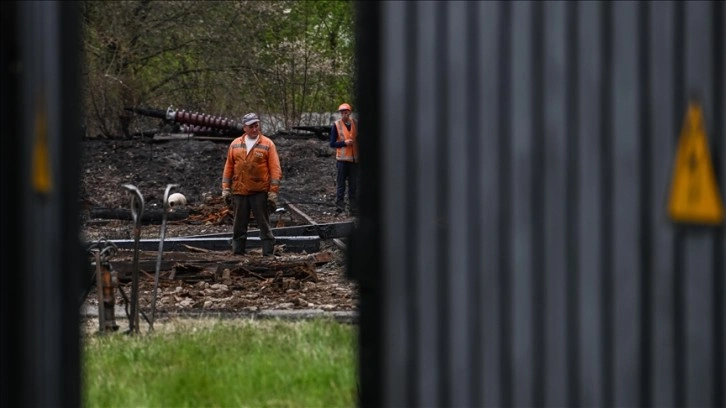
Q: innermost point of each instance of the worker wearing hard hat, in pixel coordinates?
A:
(343, 135)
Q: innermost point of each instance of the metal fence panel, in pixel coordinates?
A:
(520, 156)
(552, 81)
(590, 202)
(486, 244)
(40, 253)
(698, 270)
(661, 78)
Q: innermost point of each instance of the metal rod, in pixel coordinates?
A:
(99, 290)
(338, 242)
(161, 250)
(137, 210)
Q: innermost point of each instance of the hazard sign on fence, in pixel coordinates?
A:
(694, 195)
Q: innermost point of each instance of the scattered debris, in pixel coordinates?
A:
(196, 278)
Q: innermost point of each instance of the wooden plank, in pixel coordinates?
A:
(339, 243)
(123, 262)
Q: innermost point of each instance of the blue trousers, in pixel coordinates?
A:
(347, 173)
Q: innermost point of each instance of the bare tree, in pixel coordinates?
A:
(221, 57)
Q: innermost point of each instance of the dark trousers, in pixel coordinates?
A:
(347, 172)
(243, 204)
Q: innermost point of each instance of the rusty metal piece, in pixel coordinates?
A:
(99, 291)
(109, 283)
(106, 283)
(169, 187)
(137, 210)
(280, 213)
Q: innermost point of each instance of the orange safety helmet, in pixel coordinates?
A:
(344, 106)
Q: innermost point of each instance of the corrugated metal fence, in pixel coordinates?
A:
(514, 247)
(41, 258)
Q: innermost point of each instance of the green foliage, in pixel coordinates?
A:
(310, 51)
(219, 57)
(260, 364)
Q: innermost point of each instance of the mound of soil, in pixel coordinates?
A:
(196, 166)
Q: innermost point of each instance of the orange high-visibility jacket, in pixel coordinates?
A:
(347, 153)
(258, 171)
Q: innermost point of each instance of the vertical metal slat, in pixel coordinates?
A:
(625, 180)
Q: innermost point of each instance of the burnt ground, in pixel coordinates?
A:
(210, 281)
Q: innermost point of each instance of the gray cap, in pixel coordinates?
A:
(250, 118)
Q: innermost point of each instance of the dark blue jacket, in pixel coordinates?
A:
(334, 143)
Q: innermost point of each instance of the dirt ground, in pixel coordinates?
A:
(224, 282)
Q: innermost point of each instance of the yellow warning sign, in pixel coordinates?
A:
(694, 195)
(41, 170)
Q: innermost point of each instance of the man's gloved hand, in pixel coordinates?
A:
(271, 201)
(227, 197)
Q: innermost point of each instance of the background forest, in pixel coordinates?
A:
(281, 59)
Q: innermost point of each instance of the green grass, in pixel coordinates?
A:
(224, 364)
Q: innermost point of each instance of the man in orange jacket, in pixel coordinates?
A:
(250, 182)
(343, 135)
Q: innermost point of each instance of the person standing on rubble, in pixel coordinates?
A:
(343, 135)
(250, 182)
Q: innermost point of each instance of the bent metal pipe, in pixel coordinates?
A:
(137, 210)
(169, 187)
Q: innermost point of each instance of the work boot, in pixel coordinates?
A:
(339, 207)
(268, 247)
(238, 246)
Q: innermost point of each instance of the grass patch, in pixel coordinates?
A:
(220, 363)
